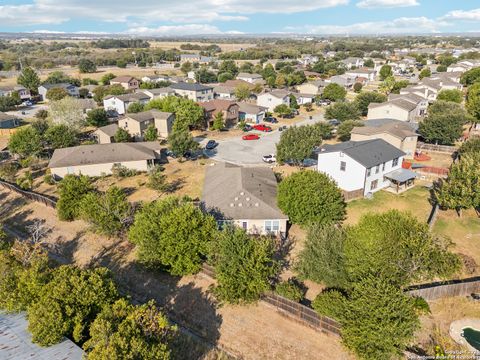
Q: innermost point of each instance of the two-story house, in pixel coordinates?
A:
(195, 92)
(365, 167)
(272, 99)
(353, 62)
(119, 103)
(228, 109)
(312, 87)
(398, 109)
(72, 90)
(23, 92)
(250, 78)
(127, 82)
(137, 124)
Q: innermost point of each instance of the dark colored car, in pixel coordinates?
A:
(247, 128)
(211, 144)
(271, 119)
(334, 122)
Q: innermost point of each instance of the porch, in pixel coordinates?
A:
(400, 180)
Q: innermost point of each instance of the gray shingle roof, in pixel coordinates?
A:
(109, 130)
(368, 153)
(241, 192)
(190, 87)
(149, 115)
(16, 342)
(130, 97)
(103, 154)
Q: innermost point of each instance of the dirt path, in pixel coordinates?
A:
(249, 332)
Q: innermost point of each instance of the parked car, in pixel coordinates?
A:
(189, 155)
(281, 128)
(211, 144)
(334, 122)
(171, 154)
(247, 128)
(261, 127)
(323, 102)
(250, 137)
(271, 119)
(269, 158)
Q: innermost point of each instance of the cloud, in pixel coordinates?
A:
(470, 15)
(402, 25)
(386, 3)
(190, 29)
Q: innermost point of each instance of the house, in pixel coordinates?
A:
(342, 80)
(196, 58)
(98, 159)
(8, 123)
(87, 105)
(250, 78)
(367, 73)
(353, 62)
(251, 113)
(303, 99)
(272, 99)
(312, 74)
(23, 92)
(224, 92)
(228, 109)
(155, 78)
(195, 92)
(72, 90)
(158, 93)
(127, 82)
(313, 87)
(398, 109)
(249, 201)
(421, 102)
(16, 342)
(308, 59)
(236, 83)
(105, 134)
(397, 133)
(363, 167)
(136, 124)
(119, 103)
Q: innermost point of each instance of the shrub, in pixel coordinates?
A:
(25, 181)
(48, 179)
(121, 171)
(330, 303)
(72, 189)
(291, 289)
(8, 171)
(157, 180)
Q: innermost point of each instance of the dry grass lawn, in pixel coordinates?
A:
(167, 45)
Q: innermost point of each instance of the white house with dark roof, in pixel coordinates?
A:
(119, 103)
(72, 90)
(366, 73)
(353, 62)
(250, 78)
(367, 166)
(272, 99)
(249, 201)
(251, 113)
(193, 91)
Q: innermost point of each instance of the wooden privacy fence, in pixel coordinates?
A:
(352, 195)
(437, 148)
(431, 170)
(441, 290)
(30, 195)
(293, 310)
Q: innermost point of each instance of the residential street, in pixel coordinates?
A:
(250, 152)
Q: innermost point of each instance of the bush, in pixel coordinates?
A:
(334, 92)
(8, 171)
(357, 87)
(330, 303)
(121, 135)
(25, 142)
(157, 180)
(291, 289)
(342, 111)
(48, 179)
(71, 190)
(25, 181)
(121, 171)
(135, 107)
(97, 117)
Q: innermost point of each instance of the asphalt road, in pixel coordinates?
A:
(250, 152)
(29, 112)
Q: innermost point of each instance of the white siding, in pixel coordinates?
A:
(271, 102)
(353, 178)
(379, 177)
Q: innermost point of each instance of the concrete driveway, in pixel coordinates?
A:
(250, 152)
(28, 111)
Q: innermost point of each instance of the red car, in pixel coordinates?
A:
(262, 127)
(250, 137)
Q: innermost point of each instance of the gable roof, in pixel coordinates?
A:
(368, 152)
(123, 79)
(399, 129)
(251, 192)
(224, 89)
(149, 115)
(108, 130)
(400, 103)
(250, 108)
(133, 97)
(103, 154)
(280, 94)
(248, 75)
(190, 87)
(217, 105)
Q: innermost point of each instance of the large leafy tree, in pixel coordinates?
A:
(309, 197)
(385, 72)
(69, 303)
(151, 133)
(97, 117)
(67, 111)
(29, 78)
(174, 234)
(242, 92)
(187, 112)
(334, 92)
(297, 143)
(101, 91)
(181, 141)
(71, 191)
(282, 110)
(471, 146)
(125, 331)
(25, 142)
(345, 129)
(244, 265)
(366, 98)
(444, 123)
(473, 101)
(121, 135)
(87, 66)
(342, 111)
(424, 73)
(59, 77)
(453, 95)
(228, 66)
(60, 136)
(57, 93)
(470, 77)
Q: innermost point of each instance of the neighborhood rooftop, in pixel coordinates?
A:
(190, 87)
(149, 115)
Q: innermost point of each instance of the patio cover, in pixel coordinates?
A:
(401, 175)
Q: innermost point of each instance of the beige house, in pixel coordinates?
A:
(312, 88)
(248, 201)
(136, 124)
(398, 109)
(98, 160)
(396, 133)
(105, 134)
(228, 109)
(127, 82)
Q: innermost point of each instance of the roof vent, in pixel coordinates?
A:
(236, 198)
(239, 204)
(248, 199)
(242, 193)
(232, 204)
(256, 204)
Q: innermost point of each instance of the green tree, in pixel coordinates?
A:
(471, 146)
(7, 103)
(60, 136)
(342, 111)
(398, 85)
(424, 73)
(86, 66)
(309, 197)
(387, 86)
(187, 112)
(473, 101)
(105, 80)
(97, 117)
(293, 103)
(109, 213)
(122, 64)
(100, 92)
(322, 259)
(181, 141)
(69, 303)
(242, 92)
(172, 233)
(357, 87)
(444, 123)
(71, 191)
(55, 94)
(344, 130)
(151, 133)
(470, 77)
(224, 77)
(59, 77)
(204, 76)
(68, 111)
(186, 67)
(29, 78)
(441, 68)
(157, 180)
(385, 72)
(135, 107)
(121, 135)
(25, 142)
(218, 123)
(291, 289)
(41, 114)
(334, 92)
(453, 95)
(244, 265)
(283, 110)
(365, 98)
(228, 66)
(125, 331)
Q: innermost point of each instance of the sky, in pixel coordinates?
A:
(198, 17)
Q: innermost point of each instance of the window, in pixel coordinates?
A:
(244, 225)
(369, 172)
(377, 169)
(395, 162)
(383, 167)
(343, 165)
(373, 184)
(272, 225)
